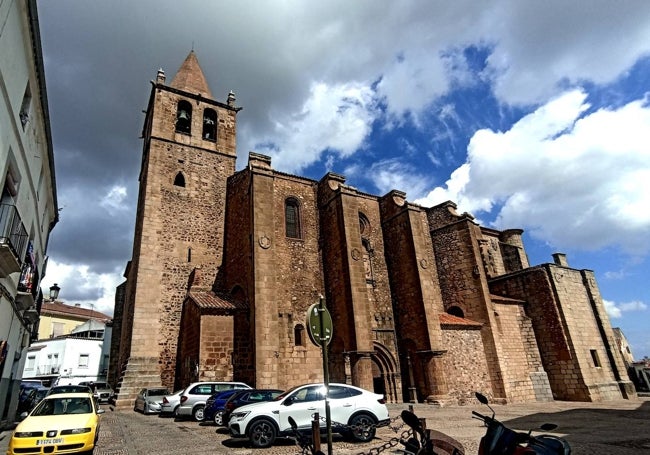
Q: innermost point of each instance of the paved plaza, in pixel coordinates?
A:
(617, 427)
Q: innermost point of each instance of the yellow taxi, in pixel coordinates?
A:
(60, 423)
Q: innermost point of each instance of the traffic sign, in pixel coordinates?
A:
(319, 324)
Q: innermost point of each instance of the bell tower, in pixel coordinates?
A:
(189, 151)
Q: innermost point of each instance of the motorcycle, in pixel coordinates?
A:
(304, 441)
(501, 440)
(427, 441)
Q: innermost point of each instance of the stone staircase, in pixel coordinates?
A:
(138, 373)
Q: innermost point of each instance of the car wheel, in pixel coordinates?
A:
(218, 418)
(262, 434)
(363, 427)
(145, 409)
(198, 414)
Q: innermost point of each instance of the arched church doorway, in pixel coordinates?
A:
(385, 374)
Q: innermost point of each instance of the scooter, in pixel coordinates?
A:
(501, 440)
(427, 441)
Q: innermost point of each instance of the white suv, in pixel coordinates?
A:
(354, 412)
(193, 398)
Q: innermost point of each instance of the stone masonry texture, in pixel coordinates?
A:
(426, 304)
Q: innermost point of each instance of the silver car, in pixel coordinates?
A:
(149, 401)
(196, 394)
(170, 403)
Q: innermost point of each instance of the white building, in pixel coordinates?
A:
(73, 359)
(28, 205)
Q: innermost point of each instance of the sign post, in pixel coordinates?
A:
(320, 329)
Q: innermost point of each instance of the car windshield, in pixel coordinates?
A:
(60, 406)
(283, 395)
(158, 392)
(69, 389)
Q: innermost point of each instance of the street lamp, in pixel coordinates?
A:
(54, 292)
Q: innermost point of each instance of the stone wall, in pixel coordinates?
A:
(216, 347)
(465, 364)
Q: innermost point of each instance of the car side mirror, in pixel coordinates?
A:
(23, 415)
(288, 401)
(100, 411)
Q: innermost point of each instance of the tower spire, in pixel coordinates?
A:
(190, 77)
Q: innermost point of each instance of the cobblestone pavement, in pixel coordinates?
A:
(619, 428)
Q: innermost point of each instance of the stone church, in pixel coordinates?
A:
(426, 304)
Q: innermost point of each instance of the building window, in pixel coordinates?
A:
(31, 361)
(184, 117)
(25, 107)
(364, 224)
(209, 125)
(595, 358)
(456, 311)
(292, 218)
(299, 335)
(367, 261)
(179, 180)
(83, 360)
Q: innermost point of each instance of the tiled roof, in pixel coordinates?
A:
(190, 77)
(58, 308)
(449, 319)
(210, 300)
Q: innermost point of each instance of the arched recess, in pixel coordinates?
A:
(385, 371)
(179, 180)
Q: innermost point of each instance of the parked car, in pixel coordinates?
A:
(214, 405)
(149, 401)
(70, 388)
(102, 390)
(244, 397)
(196, 394)
(69, 421)
(30, 397)
(170, 403)
(357, 413)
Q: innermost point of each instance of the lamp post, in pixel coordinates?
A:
(54, 292)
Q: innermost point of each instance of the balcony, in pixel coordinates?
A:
(27, 286)
(13, 240)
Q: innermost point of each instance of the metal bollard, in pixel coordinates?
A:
(315, 432)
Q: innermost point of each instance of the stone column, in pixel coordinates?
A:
(434, 374)
(362, 370)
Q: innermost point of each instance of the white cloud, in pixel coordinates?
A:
(115, 199)
(616, 310)
(395, 174)
(338, 118)
(80, 285)
(572, 181)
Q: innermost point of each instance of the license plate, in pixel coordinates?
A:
(49, 442)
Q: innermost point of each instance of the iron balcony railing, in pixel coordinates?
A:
(12, 231)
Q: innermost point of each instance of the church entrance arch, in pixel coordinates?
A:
(385, 374)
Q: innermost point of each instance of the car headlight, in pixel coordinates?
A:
(76, 431)
(28, 434)
(239, 415)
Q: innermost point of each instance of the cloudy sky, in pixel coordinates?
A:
(531, 115)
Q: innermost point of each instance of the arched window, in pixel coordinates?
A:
(184, 117)
(299, 335)
(367, 261)
(209, 125)
(456, 311)
(179, 180)
(292, 218)
(364, 225)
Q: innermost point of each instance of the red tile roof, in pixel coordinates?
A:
(447, 319)
(58, 308)
(210, 300)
